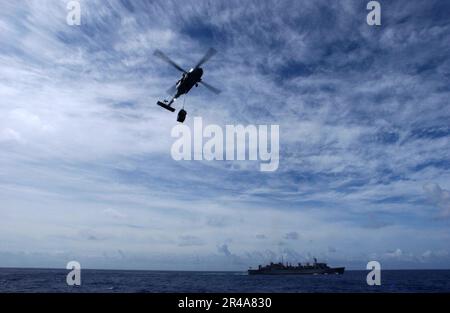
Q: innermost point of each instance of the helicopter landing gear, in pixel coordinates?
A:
(165, 106)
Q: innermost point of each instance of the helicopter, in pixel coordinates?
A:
(189, 79)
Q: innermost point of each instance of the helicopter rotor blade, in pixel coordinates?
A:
(164, 57)
(211, 52)
(211, 88)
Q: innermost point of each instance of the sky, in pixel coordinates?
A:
(86, 172)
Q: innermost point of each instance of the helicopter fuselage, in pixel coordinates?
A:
(189, 80)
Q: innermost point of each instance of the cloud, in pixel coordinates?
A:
(376, 222)
(121, 254)
(435, 254)
(224, 250)
(188, 241)
(438, 197)
(114, 213)
(232, 258)
(9, 134)
(397, 253)
(217, 221)
(292, 236)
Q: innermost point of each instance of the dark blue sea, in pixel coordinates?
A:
(106, 281)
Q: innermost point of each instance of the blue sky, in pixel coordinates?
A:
(85, 166)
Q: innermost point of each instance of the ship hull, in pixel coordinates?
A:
(315, 271)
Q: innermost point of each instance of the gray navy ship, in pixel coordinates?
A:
(288, 269)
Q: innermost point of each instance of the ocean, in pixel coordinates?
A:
(108, 281)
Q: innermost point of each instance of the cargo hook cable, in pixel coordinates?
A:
(184, 100)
